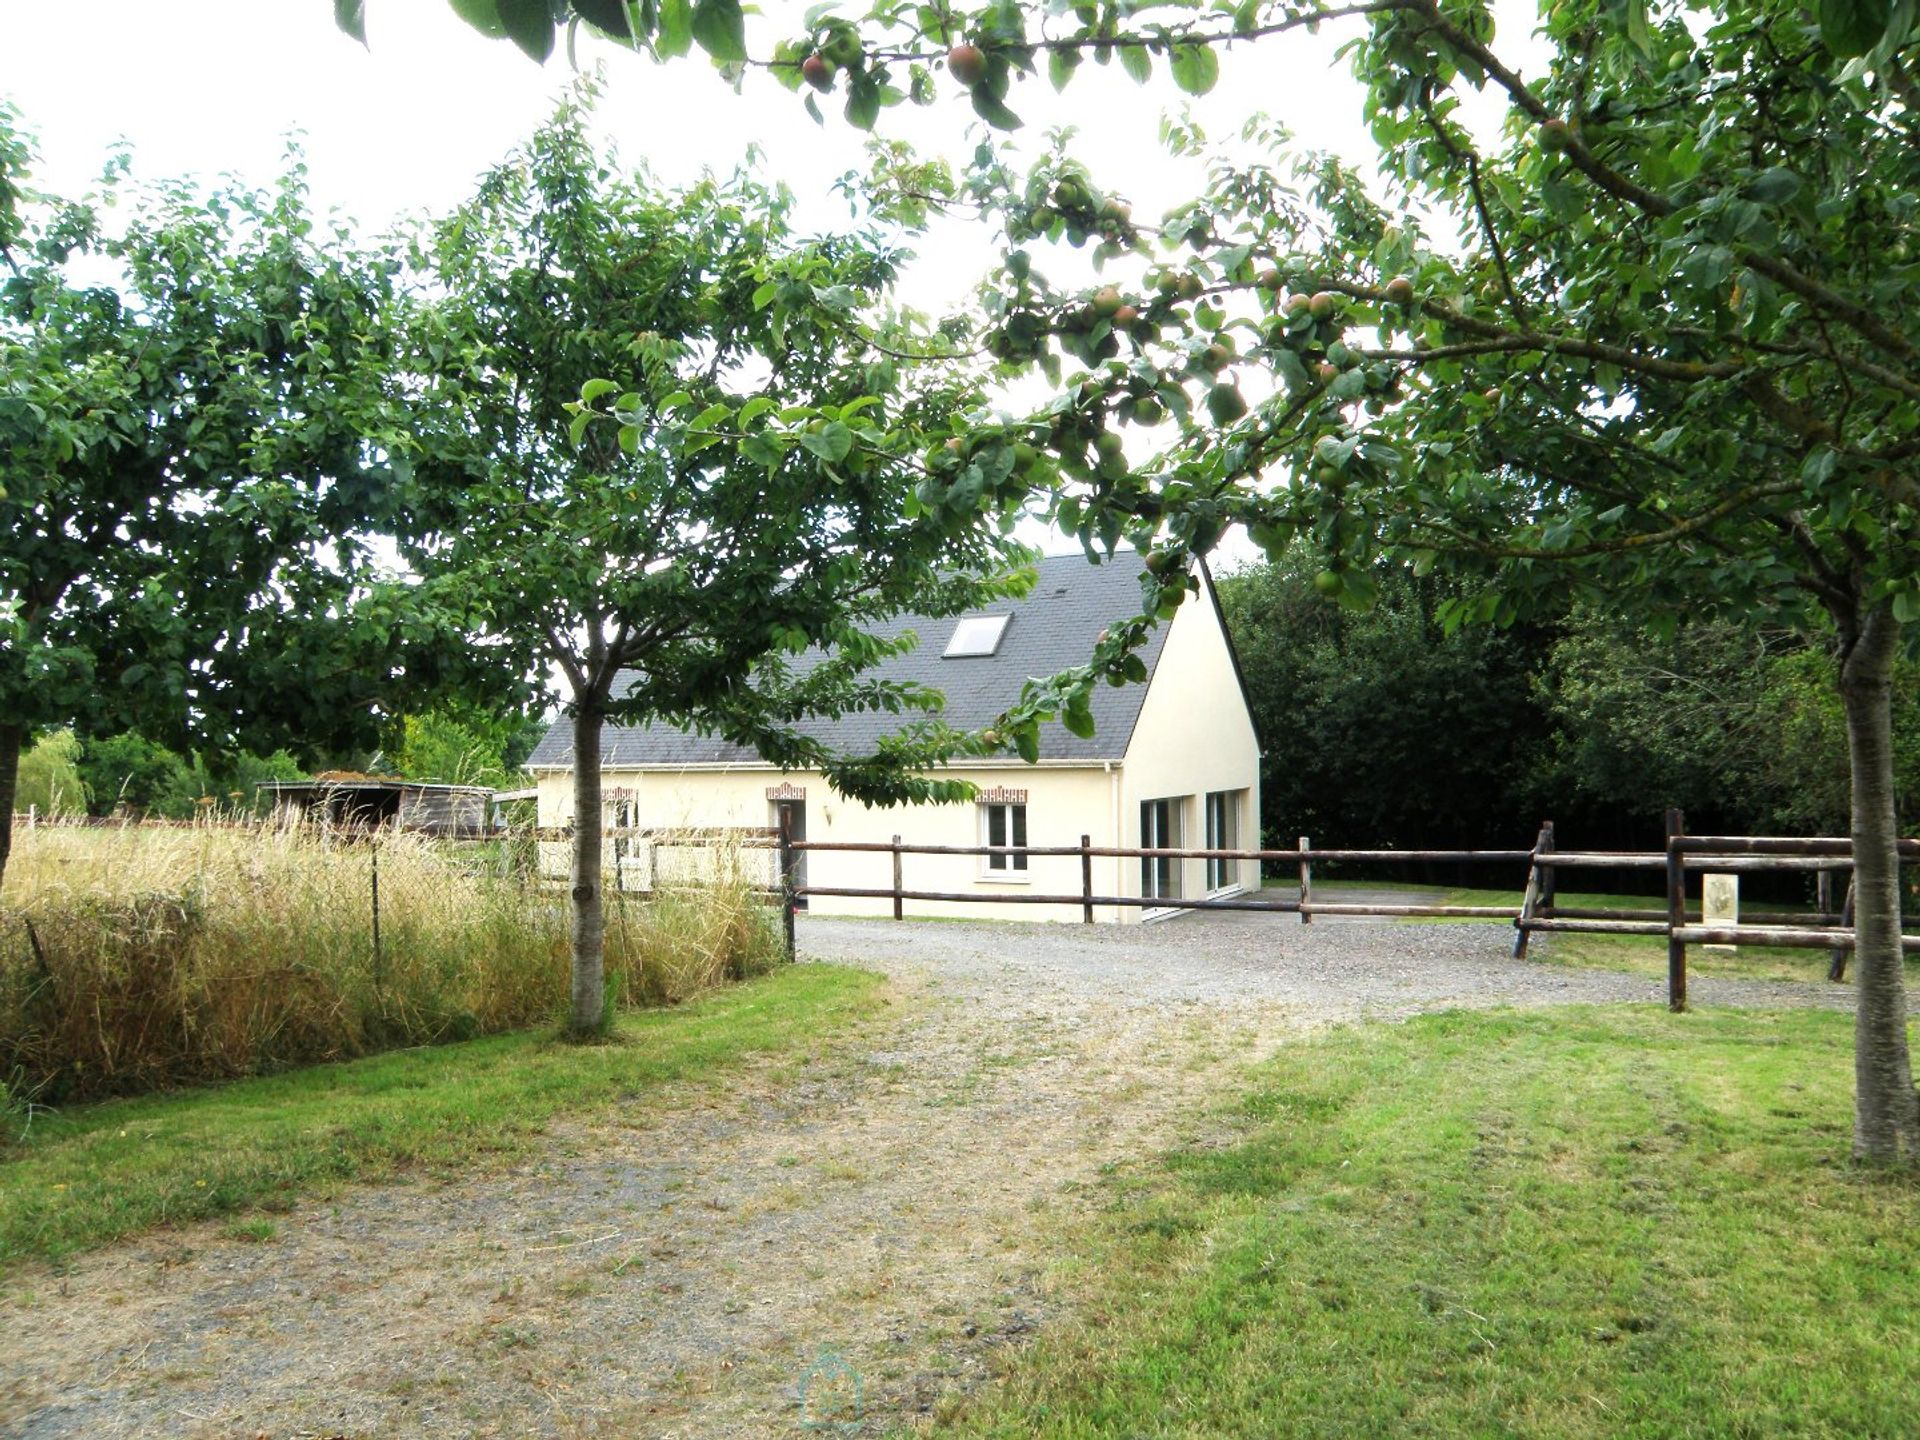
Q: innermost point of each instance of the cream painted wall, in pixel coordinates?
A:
(1063, 803)
(1194, 735)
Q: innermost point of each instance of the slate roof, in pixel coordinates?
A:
(1052, 629)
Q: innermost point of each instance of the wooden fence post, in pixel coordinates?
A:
(1547, 875)
(899, 902)
(1530, 898)
(786, 882)
(1837, 961)
(1823, 894)
(1676, 913)
(1306, 883)
(1086, 879)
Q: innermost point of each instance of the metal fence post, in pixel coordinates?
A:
(1676, 913)
(1086, 879)
(899, 905)
(379, 960)
(1306, 882)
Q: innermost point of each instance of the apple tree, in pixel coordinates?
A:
(707, 540)
(194, 387)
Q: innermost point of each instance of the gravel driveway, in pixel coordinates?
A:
(1338, 968)
(855, 1241)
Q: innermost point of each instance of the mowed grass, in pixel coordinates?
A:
(1583, 1223)
(93, 1173)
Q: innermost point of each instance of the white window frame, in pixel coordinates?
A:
(1174, 839)
(1223, 876)
(1006, 869)
(984, 634)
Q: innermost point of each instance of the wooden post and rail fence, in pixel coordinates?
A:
(1538, 911)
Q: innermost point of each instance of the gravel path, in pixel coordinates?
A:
(1337, 968)
(857, 1238)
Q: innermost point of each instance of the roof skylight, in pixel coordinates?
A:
(976, 635)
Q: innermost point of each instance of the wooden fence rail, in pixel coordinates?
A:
(1537, 912)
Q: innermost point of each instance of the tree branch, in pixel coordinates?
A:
(1467, 155)
(1626, 543)
(1856, 317)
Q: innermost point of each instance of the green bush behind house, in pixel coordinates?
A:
(136, 958)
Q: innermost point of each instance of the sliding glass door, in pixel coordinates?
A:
(1160, 829)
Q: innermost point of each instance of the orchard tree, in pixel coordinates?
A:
(1648, 342)
(193, 391)
(706, 542)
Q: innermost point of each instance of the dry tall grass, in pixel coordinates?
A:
(137, 957)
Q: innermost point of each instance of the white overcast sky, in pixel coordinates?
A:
(213, 86)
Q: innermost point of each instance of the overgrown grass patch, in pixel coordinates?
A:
(87, 1174)
(137, 958)
(1595, 1222)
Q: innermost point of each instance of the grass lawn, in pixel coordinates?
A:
(1641, 954)
(92, 1173)
(1594, 1222)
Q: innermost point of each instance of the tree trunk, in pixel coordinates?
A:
(1886, 1124)
(11, 737)
(586, 1014)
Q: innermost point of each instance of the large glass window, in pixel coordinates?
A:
(1005, 825)
(1223, 833)
(1160, 830)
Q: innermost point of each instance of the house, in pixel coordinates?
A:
(350, 800)
(1172, 763)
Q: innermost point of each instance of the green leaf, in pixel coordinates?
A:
(1078, 717)
(1853, 27)
(990, 109)
(614, 17)
(1195, 68)
(1060, 67)
(832, 444)
(482, 15)
(863, 105)
(763, 450)
(594, 389)
(676, 29)
(1639, 33)
(351, 16)
(1135, 60)
(721, 29)
(529, 24)
(1774, 187)
(1027, 741)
